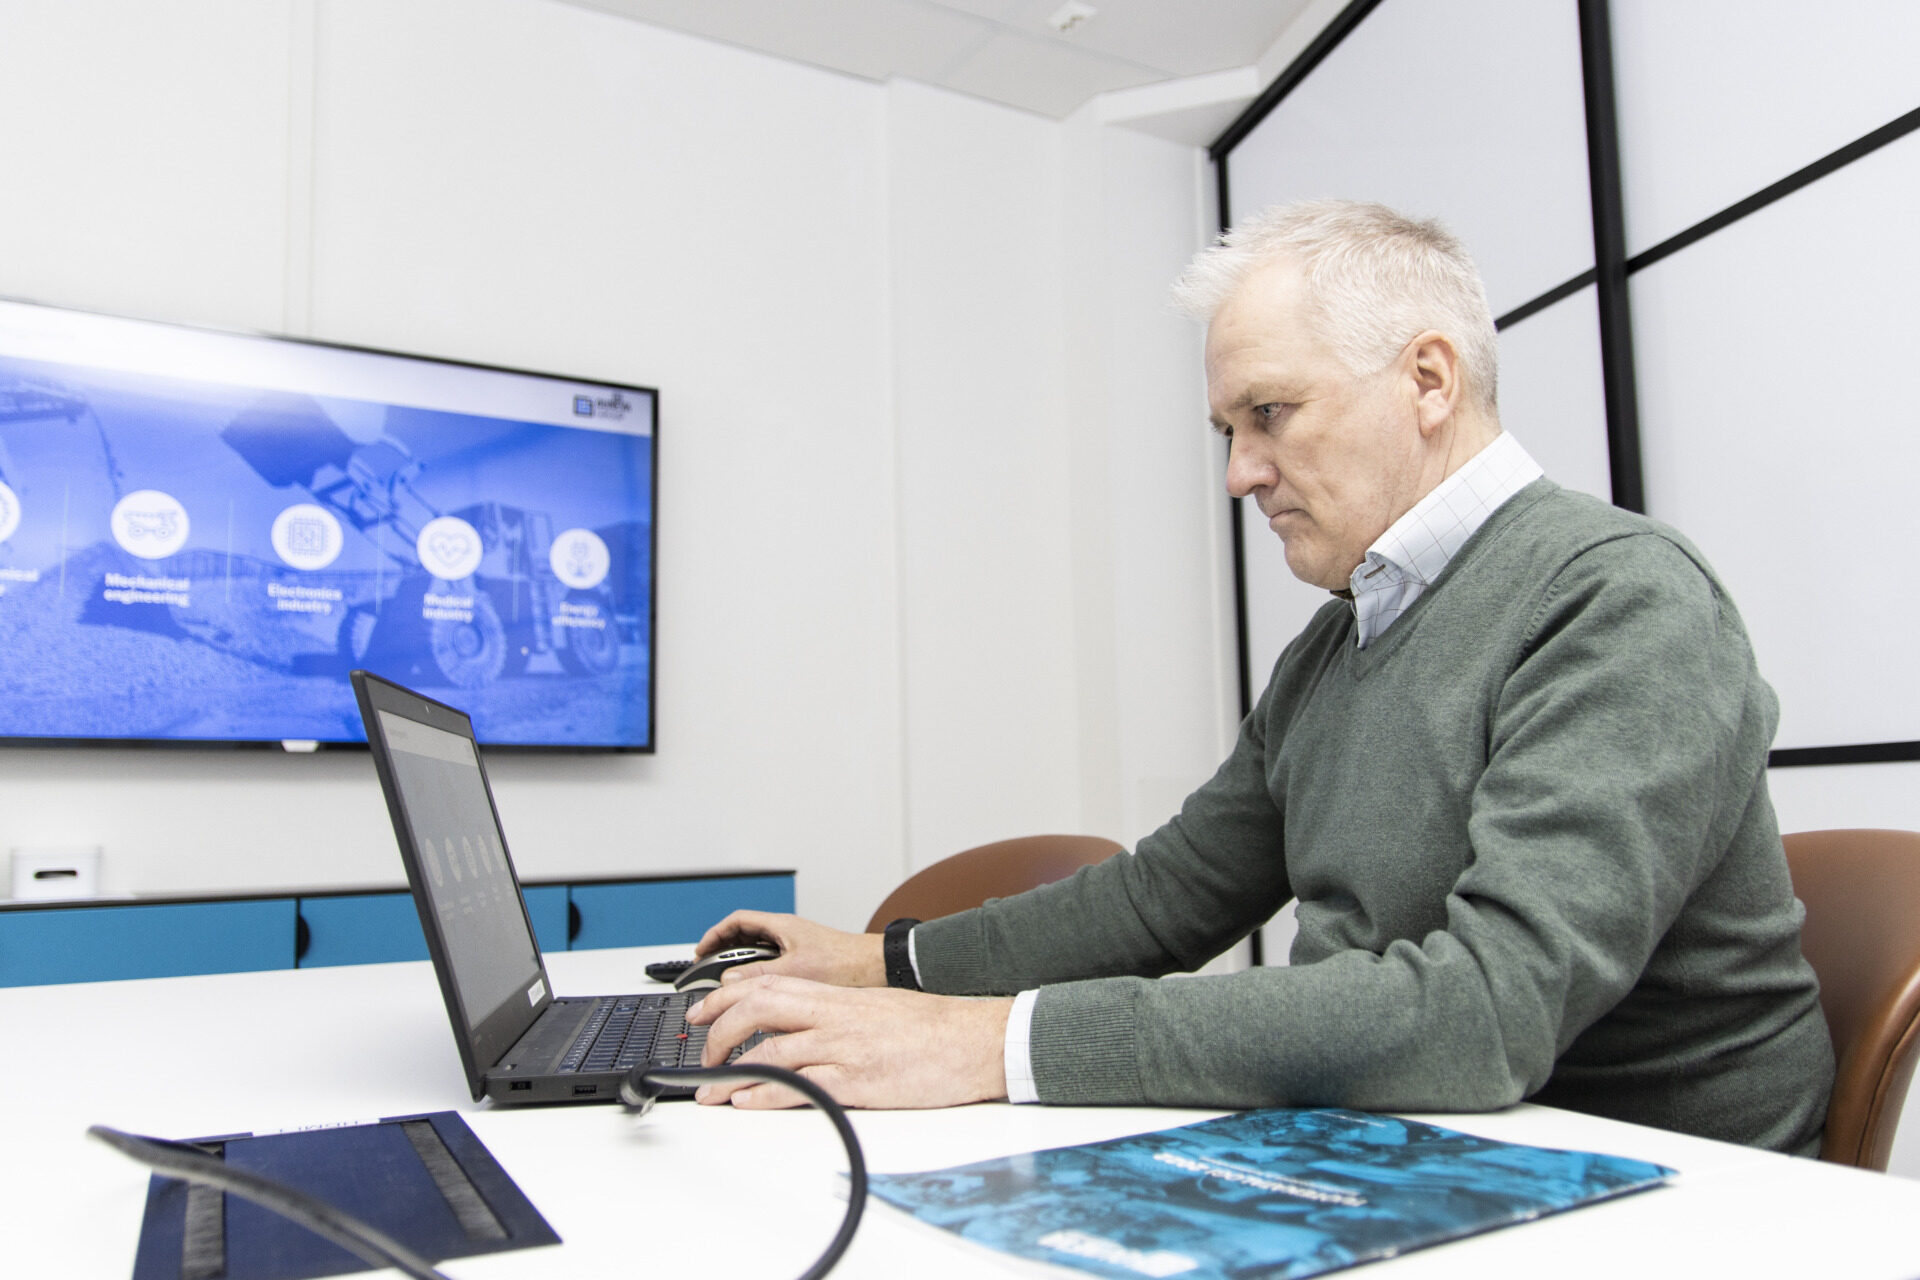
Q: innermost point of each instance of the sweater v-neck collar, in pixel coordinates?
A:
(1360, 661)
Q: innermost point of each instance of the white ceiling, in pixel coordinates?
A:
(1006, 51)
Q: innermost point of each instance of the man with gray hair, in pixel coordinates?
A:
(1514, 777)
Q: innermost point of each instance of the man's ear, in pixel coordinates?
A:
(1436, 379)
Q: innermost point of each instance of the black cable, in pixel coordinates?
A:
(179, 1160)
(635, 1095)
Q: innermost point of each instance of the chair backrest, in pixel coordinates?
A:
(996, 870)
(1862, 936)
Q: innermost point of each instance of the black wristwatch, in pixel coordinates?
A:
(894, 951)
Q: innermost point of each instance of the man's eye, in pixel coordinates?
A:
(1273, 415)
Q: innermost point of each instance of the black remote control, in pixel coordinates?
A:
(667, 970)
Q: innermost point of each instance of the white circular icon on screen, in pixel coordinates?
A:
(149, 524)
(306, 536)
(449, 548)
(9, 512)
(580, 559)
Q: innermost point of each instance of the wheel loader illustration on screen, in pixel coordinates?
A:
(25, 401)
(470, 631)
(42, 403)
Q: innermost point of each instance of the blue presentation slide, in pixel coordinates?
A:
(202, 560)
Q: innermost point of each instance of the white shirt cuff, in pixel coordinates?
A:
(1019, 1056)
(913, 961)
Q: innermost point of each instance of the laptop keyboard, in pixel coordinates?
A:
(623, 1032)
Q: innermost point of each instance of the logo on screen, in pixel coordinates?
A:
(449, 548)
(149, 524)
(580, 559)
(615, 406)
(306, 536)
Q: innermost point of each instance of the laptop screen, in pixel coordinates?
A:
(466, 877)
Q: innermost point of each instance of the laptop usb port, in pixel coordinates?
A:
(519, 1084)
(581, 1089)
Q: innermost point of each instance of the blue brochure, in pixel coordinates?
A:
(1278, 1193)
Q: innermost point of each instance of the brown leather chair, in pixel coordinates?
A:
(1862, 936)
(996, 870)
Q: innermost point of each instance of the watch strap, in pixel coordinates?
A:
(899, 961)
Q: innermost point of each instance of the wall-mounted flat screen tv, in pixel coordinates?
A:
(201, 533)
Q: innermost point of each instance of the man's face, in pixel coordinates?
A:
(1331, 457)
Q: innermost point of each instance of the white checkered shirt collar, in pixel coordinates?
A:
(1404, 561)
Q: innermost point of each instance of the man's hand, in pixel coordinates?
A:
(807, 950)
(868, 1048)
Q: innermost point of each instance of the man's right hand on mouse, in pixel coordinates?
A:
(807, 950)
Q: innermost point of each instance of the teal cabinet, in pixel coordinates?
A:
(89, 942)
(359, 928)
(375, 928)
(147, 940)
(547, 908)
(651, 912)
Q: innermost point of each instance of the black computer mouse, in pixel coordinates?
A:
(704, 974)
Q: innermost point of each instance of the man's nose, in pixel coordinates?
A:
(1247, 469)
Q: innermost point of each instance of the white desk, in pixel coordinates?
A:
(717, 1190)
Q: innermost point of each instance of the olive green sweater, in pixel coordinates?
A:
(1529, 833)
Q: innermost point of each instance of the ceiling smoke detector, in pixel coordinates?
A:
(1070, 15)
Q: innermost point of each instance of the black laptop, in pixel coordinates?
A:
(517, 1041)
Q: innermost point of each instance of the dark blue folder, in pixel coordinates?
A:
(425, 1180)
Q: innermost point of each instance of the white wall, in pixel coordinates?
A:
(913, 595)
(1158, 696)
(986, 584)
(1067, 645)
(146, 171)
